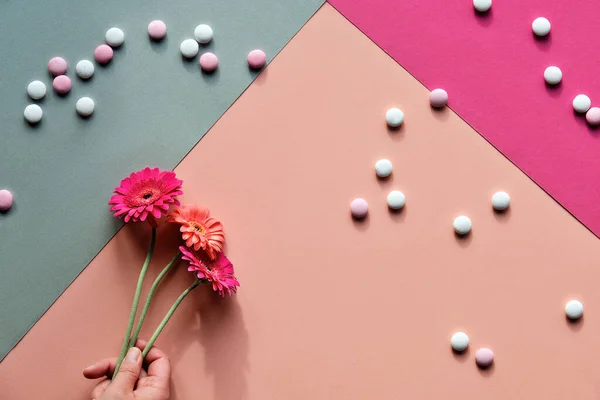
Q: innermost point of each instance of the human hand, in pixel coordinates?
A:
(132, 381)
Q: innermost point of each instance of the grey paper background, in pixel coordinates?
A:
(151, 109)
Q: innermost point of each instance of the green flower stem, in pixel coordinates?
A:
(169, 315)
(157, 281)
(136, 300)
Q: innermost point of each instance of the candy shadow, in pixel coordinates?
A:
(554, 90)
(159, 46)
(486, 371)
(461, 356)
(464, 241)
(543, 43)
(485, 18)
(385, 182)
(396, 133)
(262, 76)
(11, 210)
(502, 215)
(440, 114)
(397, 216)
(361, 224)
(574, 325)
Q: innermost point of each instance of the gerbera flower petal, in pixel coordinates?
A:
(199, 229)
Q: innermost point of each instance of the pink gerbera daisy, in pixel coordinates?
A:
(219, 272)
(199, 229)
(148, 192)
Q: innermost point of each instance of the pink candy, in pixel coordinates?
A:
(484, 357)
(257, 59)
(6, 200)
(57, 66)
(359, 208)
(62, 84)
(157, 30)
(209, 62)
(593, 116)
(438, 98)
(103, 54)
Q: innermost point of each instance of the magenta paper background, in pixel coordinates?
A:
(492, 66)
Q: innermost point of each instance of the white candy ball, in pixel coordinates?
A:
(459, 341)
(383, 168)
(84, 69)
(500, 201)
(36, 90)
(553, 75)
(85, 106)
(203, 33)
(394, 117)
(582, 103)
(574, 309)
(462, 225)
(482, 5)
(189, 48)
(396, 200)
(541, 26)
(114, 37)
(33, 113)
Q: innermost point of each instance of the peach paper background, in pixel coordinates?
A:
(330, 308)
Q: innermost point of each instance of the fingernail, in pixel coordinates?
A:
(133, 355)
(90, 367)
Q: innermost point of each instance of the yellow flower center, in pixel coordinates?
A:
(198, 228)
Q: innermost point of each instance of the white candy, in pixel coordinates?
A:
(574, 309)
(203, 33)
(462, 225)
(459, 341)
(500, 201)
(553, 75)
(84, 69)
(33, 113)
(189, 48)
(85, 106)
(541, 26)
(394, 117)
(383, 168)
(36, 90)
(582, 103)
(482, 5)
(114, 37)
(396, 200)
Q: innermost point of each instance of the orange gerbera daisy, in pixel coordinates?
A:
(199, 229)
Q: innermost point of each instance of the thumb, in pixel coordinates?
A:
(129, 372)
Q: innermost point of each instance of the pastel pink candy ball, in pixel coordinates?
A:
(438, 98)
(484, 357)
(6, 200)
(103, 54)
(593, 116)
(359, 208)
(157, 30)
(62, 84)
(257, 59)
(57, 66)
(209, 62)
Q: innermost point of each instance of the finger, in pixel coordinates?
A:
(129, 372)
(100, 369)
(100, 388)
(158, 362)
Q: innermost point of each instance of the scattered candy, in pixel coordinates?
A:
(438, 98)
(541, 26)
(462, 225)
(203, 34)
(257, 59)
(574, 309)
(396, 200)
(482, 5)
(582, 103)
(114, 37)
(383, 168)
(84, 69)
(359, 208)
(484, 357)
(6, 200)
(189, 48)
(85, 106)
(394, 117)
(500, 201)
(157, 30)
(62, 84)
(593, 116)
(209, 62)
(33, 113)
(103, 54)
(553, 75)
(57, 66)
(459, 341)
(36, 90)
